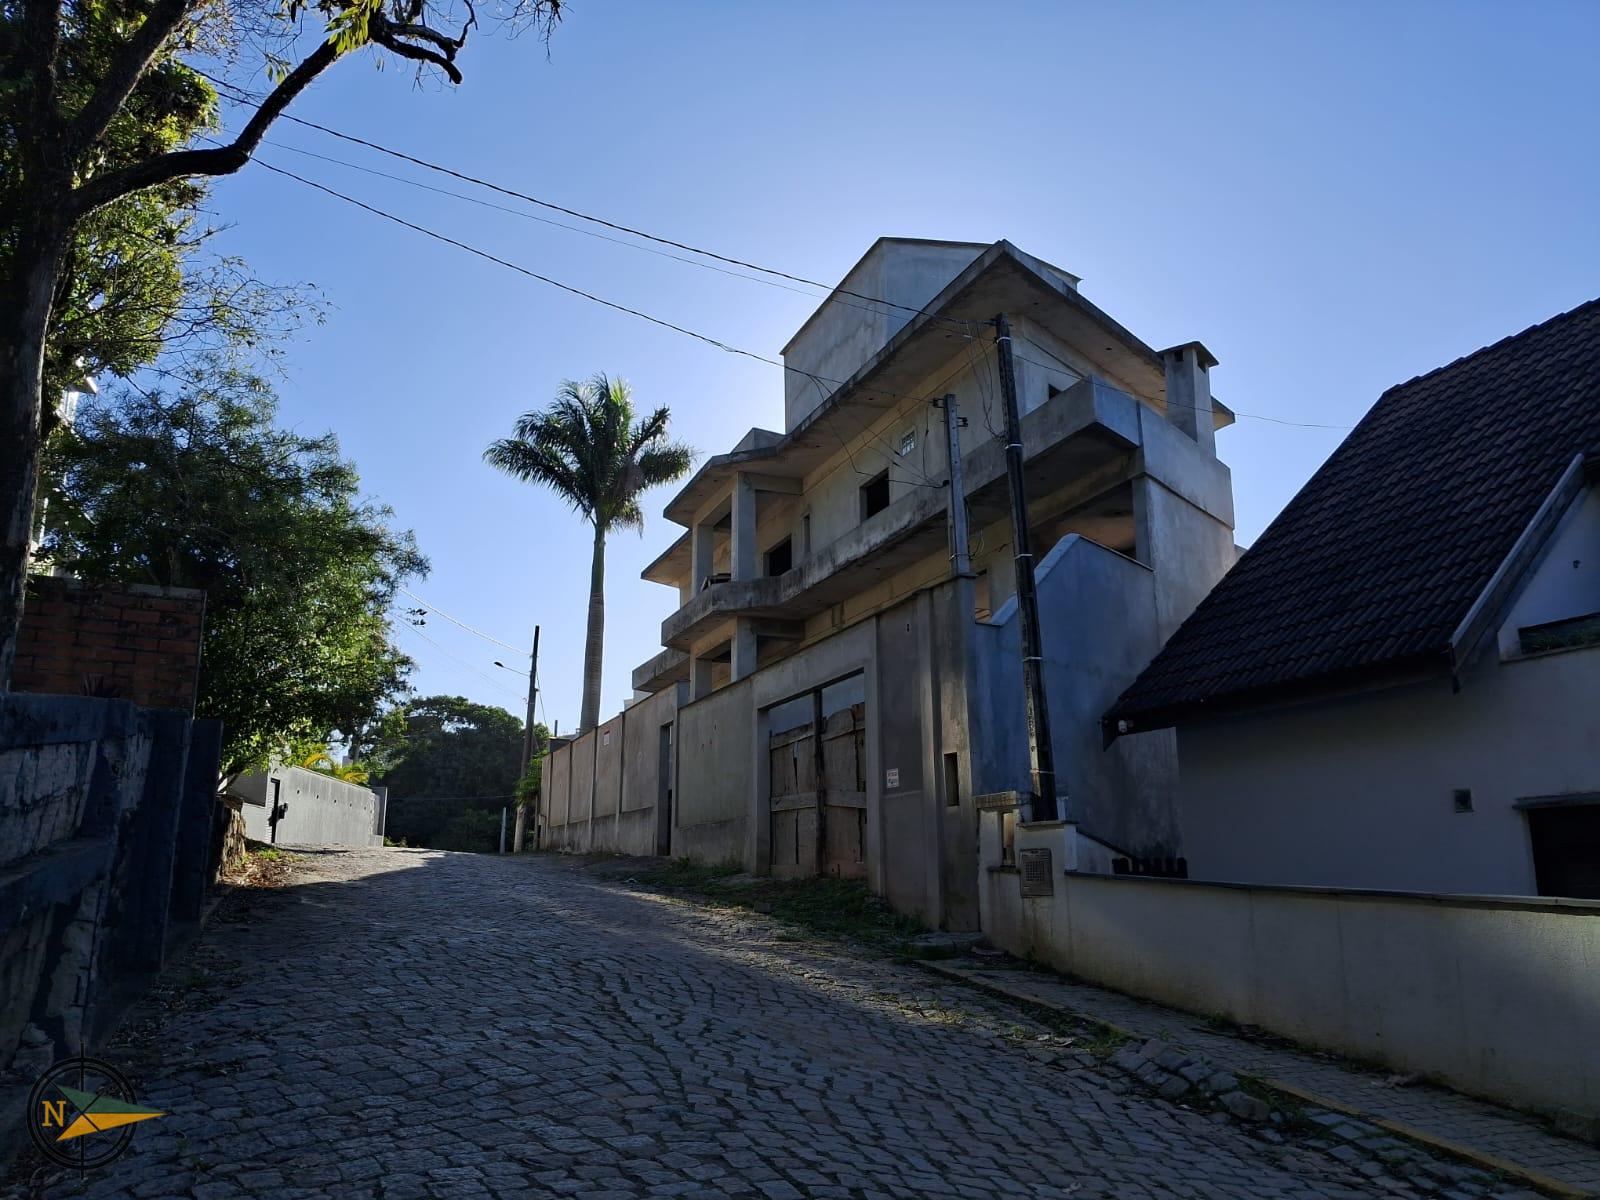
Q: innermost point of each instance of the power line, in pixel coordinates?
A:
(484, 254)
(241, 96)
(458, 621)
(483, 675)
(727, 348)
(556, 283)
(517, 212)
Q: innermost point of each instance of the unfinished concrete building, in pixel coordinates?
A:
(833, 695)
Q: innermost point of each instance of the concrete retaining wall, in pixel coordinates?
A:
(1494, 996)
(322, 810)
(105, 843)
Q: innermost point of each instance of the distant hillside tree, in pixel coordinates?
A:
(457, 770)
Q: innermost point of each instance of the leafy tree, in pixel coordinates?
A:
(98, 103)
(458, 770)
(588, 449)
(202, 491)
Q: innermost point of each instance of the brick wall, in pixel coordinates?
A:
(124, 641)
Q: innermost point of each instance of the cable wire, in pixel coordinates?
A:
(458, 621)
(241, 96)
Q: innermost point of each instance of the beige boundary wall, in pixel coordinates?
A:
(1498, 996)
(602, 791)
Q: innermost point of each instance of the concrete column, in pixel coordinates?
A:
(699, 677)
(742, 559)
(1189, 392)
(701, 542)
(744, 648)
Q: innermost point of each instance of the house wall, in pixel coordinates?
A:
(1357, 791)
(847, 331)
(322, 811)
(1124, 795)
(1565, 580)
(1488, 996)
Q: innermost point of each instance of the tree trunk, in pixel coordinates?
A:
(25, 301)
(594, 644)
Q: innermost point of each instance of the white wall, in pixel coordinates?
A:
(1357, 791)
(1493, 997)
(322, 811)
(1565, 581)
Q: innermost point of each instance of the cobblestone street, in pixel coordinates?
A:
(401, 1024)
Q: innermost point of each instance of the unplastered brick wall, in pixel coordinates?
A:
(124, 641)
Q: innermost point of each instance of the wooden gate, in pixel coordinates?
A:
(818, 800)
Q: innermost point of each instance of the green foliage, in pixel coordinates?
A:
(837, 908)
(202, 491)
(457, 771)
(138, 281)
(590, 450)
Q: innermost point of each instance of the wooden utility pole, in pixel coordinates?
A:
(1041, 751)
(527, 742)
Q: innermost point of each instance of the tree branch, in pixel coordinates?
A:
(225, 160)
(124, 74)
(33, 61)
(391, 34)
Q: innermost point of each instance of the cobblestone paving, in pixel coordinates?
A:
(414, 1024)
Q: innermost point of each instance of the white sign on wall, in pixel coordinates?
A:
(891, 777)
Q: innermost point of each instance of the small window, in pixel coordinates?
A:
(952, 780)
(1561, 635)
(981, 607)
(805, 534)
(875, 495)
(780, 558)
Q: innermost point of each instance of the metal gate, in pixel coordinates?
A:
(817, 756)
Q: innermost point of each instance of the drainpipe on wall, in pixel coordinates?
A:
(1042, 803)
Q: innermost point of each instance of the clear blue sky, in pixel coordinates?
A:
(1333, 198)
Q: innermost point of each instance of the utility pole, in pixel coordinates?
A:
(1041, 751)
(527, 742)
(960, 554)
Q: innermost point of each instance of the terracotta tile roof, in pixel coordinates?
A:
(1375, 562)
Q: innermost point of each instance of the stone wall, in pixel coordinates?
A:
(105, 840)
(122, 641)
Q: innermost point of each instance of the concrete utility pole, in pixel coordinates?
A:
(960, 554)
(527, 741)
(1041, 751)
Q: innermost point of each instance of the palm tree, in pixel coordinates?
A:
(588, 448)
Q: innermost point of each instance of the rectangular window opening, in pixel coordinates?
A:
(781, 557)
(875, 495)
(952, 780)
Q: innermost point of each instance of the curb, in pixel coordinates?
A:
(1432, 1141)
